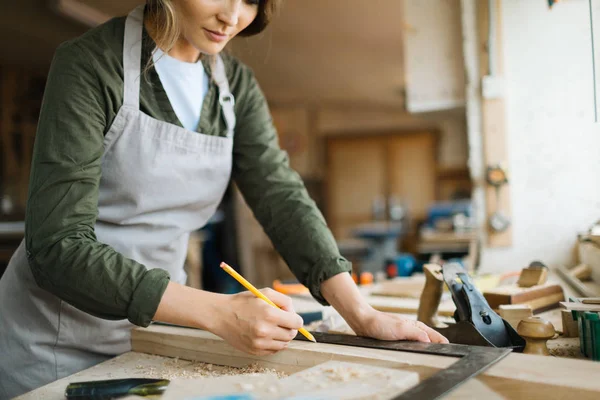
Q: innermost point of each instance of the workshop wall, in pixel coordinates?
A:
(553, 143)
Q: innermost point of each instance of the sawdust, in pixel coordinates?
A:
(149, 366)
(565, 347)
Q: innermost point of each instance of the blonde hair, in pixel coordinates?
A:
(162, 14)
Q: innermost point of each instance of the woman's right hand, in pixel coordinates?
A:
(253, 326)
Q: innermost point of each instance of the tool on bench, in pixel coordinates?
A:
(114, 388)
(473, 361)
(536, 332)
(476, 323)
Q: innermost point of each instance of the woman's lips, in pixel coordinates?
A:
(214, 36)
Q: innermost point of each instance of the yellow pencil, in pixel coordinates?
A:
(258, 294)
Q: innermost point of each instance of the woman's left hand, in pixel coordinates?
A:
(383, 326)
(344, 296)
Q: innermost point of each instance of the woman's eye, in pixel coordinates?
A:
(253, 2)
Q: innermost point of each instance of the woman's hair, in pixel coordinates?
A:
(162, 14)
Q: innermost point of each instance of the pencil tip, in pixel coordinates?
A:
(313, 340)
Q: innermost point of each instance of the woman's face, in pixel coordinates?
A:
(208, 25)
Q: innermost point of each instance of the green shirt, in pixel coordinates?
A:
(83, 95)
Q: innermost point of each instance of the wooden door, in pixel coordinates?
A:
(361, 170)
(412, 171)
(356, 177)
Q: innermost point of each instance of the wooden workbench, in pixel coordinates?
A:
(517, 376)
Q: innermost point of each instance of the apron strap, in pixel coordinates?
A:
(226, 98)
(132, 57)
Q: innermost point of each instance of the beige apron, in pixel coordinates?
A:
(159, 183)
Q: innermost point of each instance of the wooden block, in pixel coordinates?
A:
(402, 287)
(589, 254)
(569, 325)
(582, 272)
(515, 313)
(591, 300)
(407, 306)
(571, 305)
(533, 276)
(585, 289)
(538, 297)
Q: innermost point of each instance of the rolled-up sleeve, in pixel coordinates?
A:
(64, 255)
(278, 198)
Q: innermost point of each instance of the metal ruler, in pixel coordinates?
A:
(473, 360)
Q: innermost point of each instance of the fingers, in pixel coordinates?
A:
(283, 301)
(284, 335)
(263, 347)
(286, 317)
(434, 335)
(418, 331)
(283, 319)
(409, 330)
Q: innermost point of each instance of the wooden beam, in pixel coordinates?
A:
(494, 121)
(516, 376)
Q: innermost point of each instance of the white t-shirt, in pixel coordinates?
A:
(186, 85)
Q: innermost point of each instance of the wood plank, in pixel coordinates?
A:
(222, 386)
(401, 287)
(536, 296)
(344, 380)
(516, 376)
(407, 306)
(571, 305)
(494, 123)
(186, 374)
(139, 365)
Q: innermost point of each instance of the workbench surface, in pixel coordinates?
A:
(140, 365)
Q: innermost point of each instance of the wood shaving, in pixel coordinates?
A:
(149, 366)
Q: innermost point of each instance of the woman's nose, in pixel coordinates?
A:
(230, 12)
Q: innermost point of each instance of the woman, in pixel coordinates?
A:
(142, 125)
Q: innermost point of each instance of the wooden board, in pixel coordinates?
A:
(407, 306)
(516, 376)
(571, 305)
(402, 287)
(221, 386)
(494, 123)
(344, 380)
(329, 380)
(184, 374)
(138, 365)
(538, 297)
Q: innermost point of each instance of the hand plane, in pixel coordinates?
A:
(476, 323)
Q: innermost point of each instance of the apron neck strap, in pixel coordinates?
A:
(132, 57)
(226, 98)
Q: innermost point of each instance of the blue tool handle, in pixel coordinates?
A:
(114, 388)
